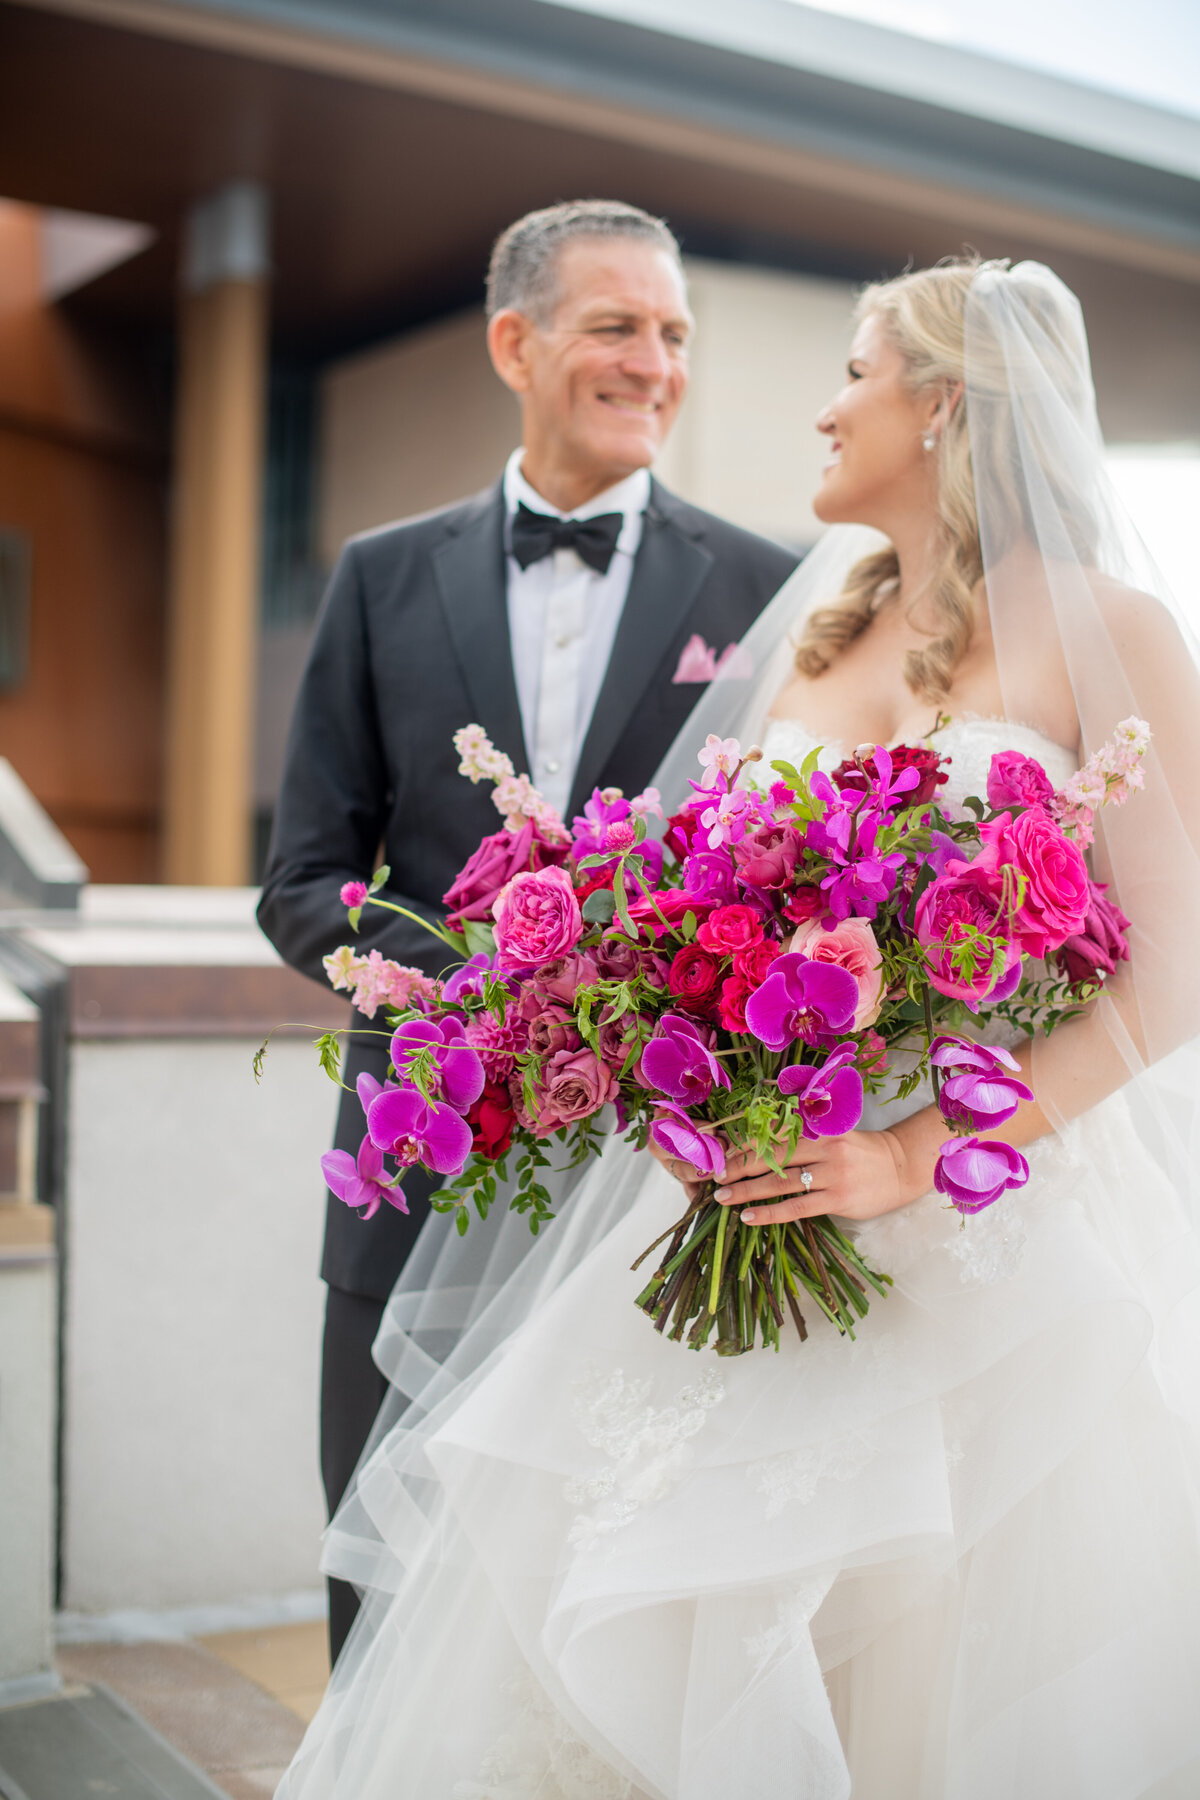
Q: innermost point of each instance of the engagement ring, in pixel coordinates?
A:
(806, 1179)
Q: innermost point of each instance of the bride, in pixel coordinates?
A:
(957, 1557)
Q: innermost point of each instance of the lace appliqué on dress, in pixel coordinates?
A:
(795, 1475)
(646, 1446)
(539, 1757)
(989, 1244)
(793, 1611)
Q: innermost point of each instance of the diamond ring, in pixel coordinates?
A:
(806, 1179)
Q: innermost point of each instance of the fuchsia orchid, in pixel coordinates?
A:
(679, 1060)
(980, 1091)
(801, 999)
(362, 1181)
(829, 1096)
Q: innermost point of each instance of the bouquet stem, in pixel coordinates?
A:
(740, 1278)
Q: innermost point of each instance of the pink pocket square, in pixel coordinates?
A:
(697, 662)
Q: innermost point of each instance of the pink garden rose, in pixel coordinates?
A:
(967, 897)
(1057, 892)
(573, 1085)
(850, 945)
(1016, 780)
(537, 919)
(499, 857)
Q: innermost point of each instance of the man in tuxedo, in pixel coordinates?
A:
(551, 609)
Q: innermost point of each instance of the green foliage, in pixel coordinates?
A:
(599, 907)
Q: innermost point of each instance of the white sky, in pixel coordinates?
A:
(1148, 49)
(1162, 491)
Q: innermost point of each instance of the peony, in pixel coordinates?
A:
(537, 919)
(850, 945)
(693, 978)
(1057, 893)
(965, 900)
(1016, 780)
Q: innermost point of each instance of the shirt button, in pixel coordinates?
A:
(565, 638)
(552, 765)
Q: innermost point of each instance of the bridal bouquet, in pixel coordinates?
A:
(790, 941)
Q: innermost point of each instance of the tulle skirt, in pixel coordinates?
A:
(954, 1559)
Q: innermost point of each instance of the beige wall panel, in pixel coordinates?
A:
(410, 426)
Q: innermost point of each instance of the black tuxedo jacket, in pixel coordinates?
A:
(412, 642)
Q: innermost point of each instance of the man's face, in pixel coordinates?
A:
(601, 381)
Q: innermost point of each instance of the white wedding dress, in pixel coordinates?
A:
(955, 1559)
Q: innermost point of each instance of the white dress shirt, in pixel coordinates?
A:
(562, 619)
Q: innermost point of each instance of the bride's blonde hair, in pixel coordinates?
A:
(924, 315)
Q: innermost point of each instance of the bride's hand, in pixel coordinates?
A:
(858, 1176)
(683, 1172)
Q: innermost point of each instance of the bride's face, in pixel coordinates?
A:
(875, 426)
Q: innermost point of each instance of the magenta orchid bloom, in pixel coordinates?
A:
(678, 1135)
(830, 1097)
(459, 1073)
(362, 1180)
(884, 792)
(980, 1091)
(973, 1172)
(801, 999)
(415, 1130)
(679, 1060)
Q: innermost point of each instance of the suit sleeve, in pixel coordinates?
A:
(334, 802)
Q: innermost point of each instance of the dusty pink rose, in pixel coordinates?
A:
(499, 857)
(617, 1038)
(1016, 780)
(537, 919)
(563, 978)
(1057, 892)
(573, 1085)
(850, 945)
(551, 1030)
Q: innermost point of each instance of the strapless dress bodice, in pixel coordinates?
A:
(970, 742)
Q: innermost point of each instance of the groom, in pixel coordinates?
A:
(552, 609)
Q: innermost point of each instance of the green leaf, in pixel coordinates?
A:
(380, 878)
(975, 805)
(622, 903)
(259, 1057)
(354, 915)
(462, 1221)
(329, 1052)
(481, 939)
(599, 907)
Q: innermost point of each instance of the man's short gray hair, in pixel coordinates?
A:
(523, 268)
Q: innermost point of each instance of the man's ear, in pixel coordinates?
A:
(508, 341)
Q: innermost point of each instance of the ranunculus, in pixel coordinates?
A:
(801, 999)
(861, 777)
(1094, 951)
(680, 1062)
(767, 858)
(731, 1006)
(1016, 780)
(850, 945)
(680, 1136)
(829, 1098)
(694, 977)
(729, 929)
(966, 899)
(492, 1121)
(499, 857)
(537, 919)
(573, 1084)
(973, 1172)
(1057, 895)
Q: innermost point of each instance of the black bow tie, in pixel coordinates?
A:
(535, 535)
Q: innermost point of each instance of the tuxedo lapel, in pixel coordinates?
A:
(469, 572)
(668, 572)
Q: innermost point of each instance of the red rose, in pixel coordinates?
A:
(681, 829)
(492, 1121)
(927, 763)
(752, 963)
(694, 977)
(729, 929)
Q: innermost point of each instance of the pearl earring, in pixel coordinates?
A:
(929, 441)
